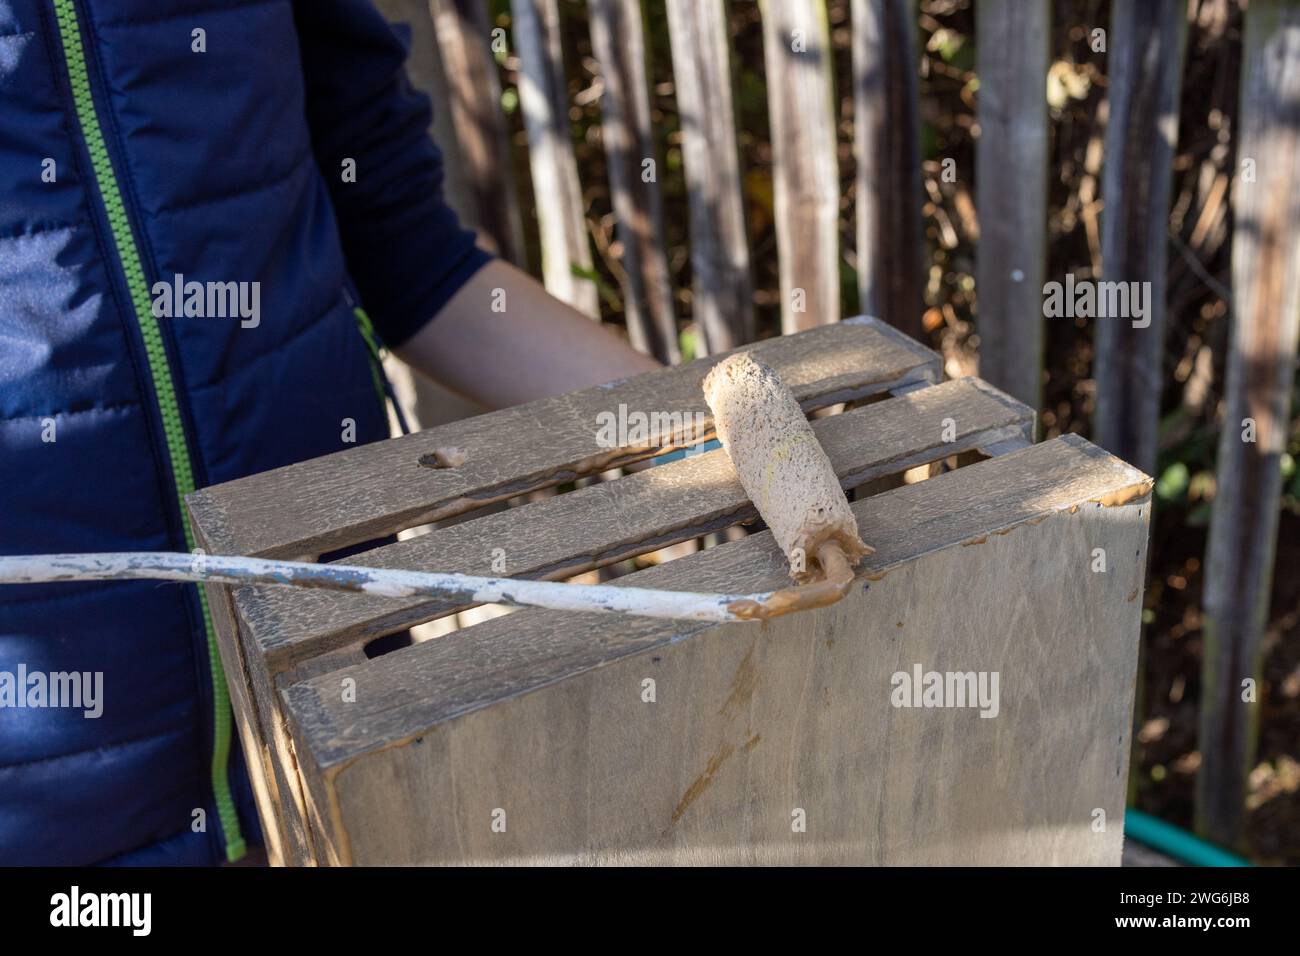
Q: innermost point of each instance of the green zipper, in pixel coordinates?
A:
(182, 472)
(371, 338)
(383, 387)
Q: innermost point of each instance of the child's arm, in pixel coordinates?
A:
(531, 346)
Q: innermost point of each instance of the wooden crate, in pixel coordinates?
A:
(563, 737)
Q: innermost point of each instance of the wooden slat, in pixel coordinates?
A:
(1011, 192)
(606, 522)
(797, 54)
(1261, 368)
(1144, 69)
(556, 193)
(537, 713)
(722, 292)
(365, 492)
(618, 41)
(474, 96)
(886, 135)
(284, 834)
(464, 669)
(259, 702)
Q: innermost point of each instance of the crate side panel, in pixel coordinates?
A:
(402, 694)
(784, 744)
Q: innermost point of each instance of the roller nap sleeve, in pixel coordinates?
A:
(781, 465)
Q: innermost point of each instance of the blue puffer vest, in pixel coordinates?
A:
(267, 142)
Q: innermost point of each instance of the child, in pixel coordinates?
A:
(202, 201)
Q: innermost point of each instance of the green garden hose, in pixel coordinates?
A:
(1176, 842)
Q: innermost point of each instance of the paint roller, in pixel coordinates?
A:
(777, 457)
(788, 477)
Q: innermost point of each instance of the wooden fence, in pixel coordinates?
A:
(1144, 67)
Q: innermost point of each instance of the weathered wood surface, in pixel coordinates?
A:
(1261, 368)
(607, 522)
(284, 831)
(886, 137)
(618, 42)
(721, 290)
(988, 568)
(461, 29)
(558, 197)
(1144, 69)
(365, 492)
(805, 175)
(1011, 190)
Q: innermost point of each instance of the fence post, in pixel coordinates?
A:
(1144, 69)
(805, 175)
(556, 192)
(1261, 368)
(618, 41)
(722, 295)
(885, 122)
(1011, 57)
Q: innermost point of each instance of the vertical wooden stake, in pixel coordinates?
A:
(618, 40)
(800, 96)
(889, 163)
(1011, 191)
(1144, 68)
(558, 197)
(1261, 367)
(722, 294)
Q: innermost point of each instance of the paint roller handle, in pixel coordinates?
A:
(834, 585)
